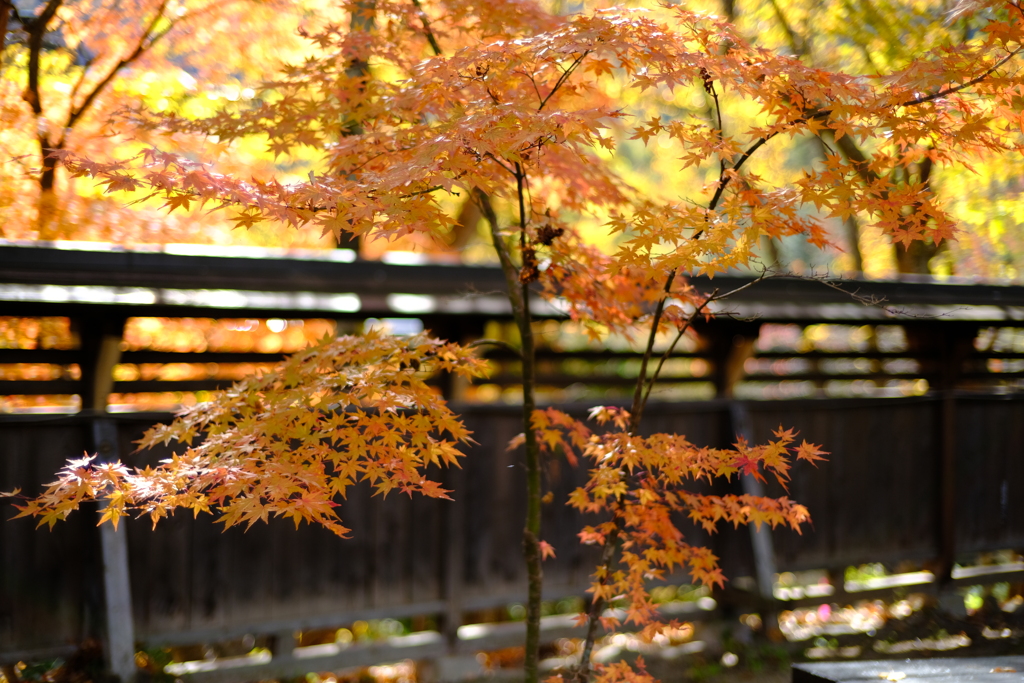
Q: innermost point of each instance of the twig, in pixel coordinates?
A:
(563, 78)
(496, 342)
(148, 38)
(967, 84)
(426, 28)
(672, 347)
(636, 410)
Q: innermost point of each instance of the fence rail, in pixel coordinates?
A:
(927, 478)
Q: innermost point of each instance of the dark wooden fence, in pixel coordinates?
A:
(882, 496)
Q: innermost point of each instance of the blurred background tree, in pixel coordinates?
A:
(875, 37)
(70, 67)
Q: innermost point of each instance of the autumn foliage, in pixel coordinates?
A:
(291, 442)
(421, 108)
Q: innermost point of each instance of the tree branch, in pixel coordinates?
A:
(496, 342)
(562, 79)
(967, 84)
(709, 86)
(611, 548)
(672, 347)
(148, 38)
(426, 28)
(825, 113)
(36, 28)
(508, 268)
(636, 410)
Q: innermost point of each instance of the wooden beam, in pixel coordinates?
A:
(120, 620)
(100, 343)
(765, 564)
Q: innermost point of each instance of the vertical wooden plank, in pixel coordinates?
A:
(428, 539)
(946, 516)
(990, 473)
(765, 565)
(357, 560)
(761, 543)
(159, 557)
(101, 350)
(871, 500)
(120, 650)
(866, 503)
(454, 557)
(46, 576)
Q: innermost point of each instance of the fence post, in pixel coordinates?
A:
(951, 346)
(730, 348)
(454, 559)
(120, 624)
(760, 536)
(101, 351)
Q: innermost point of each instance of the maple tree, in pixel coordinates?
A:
(421, 107)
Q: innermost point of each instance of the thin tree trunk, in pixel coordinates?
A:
(915, 259)
(531, 532)
(850, 225)
(852, 228)
(518, 293)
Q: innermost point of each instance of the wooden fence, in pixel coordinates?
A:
(901, 471)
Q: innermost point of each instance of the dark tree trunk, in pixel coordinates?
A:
(913, 260)
(48, 220)
(5, 13)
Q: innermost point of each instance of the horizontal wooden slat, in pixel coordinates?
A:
(204, 357)
(56, 356)
(63, 357)
(44, 387)
(774, 299)
(62, 387)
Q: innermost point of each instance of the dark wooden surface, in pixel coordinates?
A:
(944, 670)
(50, 583)
(116, 268)
(875, 497)
(874, 500)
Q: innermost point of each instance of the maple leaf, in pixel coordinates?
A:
(120, 182)
(175, 201)
(810, 452)
(247, 219)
